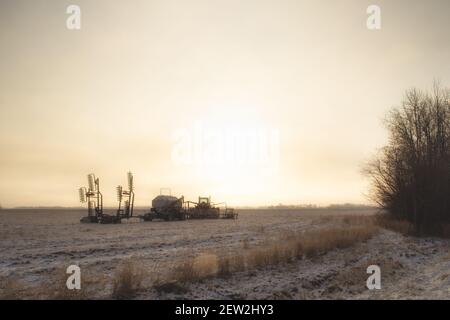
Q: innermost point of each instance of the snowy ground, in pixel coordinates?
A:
(410, 269)
(35, 243)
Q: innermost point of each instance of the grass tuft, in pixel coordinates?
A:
(127, 281)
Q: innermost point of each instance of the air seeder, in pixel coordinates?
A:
(166, 207)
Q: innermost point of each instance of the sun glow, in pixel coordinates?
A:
(232, 149)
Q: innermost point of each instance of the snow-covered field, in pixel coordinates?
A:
(37, 243)
(410, 269)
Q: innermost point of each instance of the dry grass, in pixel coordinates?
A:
(11, 289)
(323, 219)
(54, 288)
(200, 267)
(285, 249)
(184, 271)
(230, 263)
(314, 243)
(401, 226)
(352, 280)
(57, 288)
(359, 220)
(127, 280)
(245, 244)
(407, 228)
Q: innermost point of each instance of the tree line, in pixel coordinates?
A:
(411, 175)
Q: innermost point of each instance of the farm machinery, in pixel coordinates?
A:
(127, 197)
(164, 207)
(94, 199)
(167, 208)
(204, 209)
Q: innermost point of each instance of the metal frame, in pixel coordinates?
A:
(92, 195)
(127, 211)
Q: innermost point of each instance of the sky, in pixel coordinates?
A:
(253, 102)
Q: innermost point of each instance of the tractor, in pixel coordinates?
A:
(203, 209)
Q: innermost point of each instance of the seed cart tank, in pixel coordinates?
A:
(166, 207)
(163, 201)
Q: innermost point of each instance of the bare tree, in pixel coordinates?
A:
(411, 174)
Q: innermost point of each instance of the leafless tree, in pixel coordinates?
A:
(411, 174)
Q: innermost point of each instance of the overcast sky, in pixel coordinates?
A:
(133, 88)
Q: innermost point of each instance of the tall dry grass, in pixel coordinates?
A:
(53, 288)
(11, 289)
(127, 280)
(124, 284)
(199, 267)
(407, 228)
(401, 226)
(284, 249)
